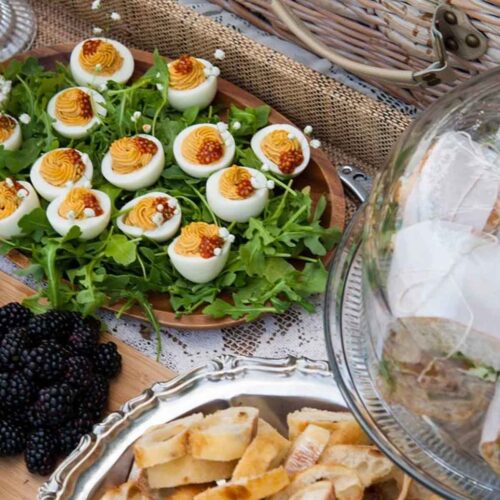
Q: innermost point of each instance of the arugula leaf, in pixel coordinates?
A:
(250, 119)
(121, 250)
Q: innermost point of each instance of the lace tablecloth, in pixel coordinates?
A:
(296, 332)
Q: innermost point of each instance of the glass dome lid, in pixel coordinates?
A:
(413, 308)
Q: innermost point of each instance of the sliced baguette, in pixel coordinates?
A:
(342, 425)
(126, 491)
(346, 482)
(187, 492)
(266, 451)
(322, 490)
(223, 435)
(369, 462)
(251, 488)
(188, 470)
(165, 442)
(307, 449)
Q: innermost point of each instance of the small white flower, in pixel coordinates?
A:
(98, 67)
(103, 87)
(291, 136)
(221, 126)
(236, 125)
(219, 54)
(96, 30)
(217, 251)
(160, 207)
(255, 183)
(308, 130)
(96, 4)
(9, 182)
(215, 71)
(315, 143)
(223, 232)
(135, 116)
(115, 16)
(71, 215)
(207, 71)
(158, 74)
(5, 87)
(88, 212)
(25, 118)
(22, 193)
(270, 184)
(157, 219)
(146, 128)
(265, 167)
(231, 238)
(172, 203)
(159, 86)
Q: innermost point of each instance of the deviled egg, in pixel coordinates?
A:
(282, 148)
(134, 162)
(10, 132)
(75, 111)
(192, 82)
(56, 171)
(155, 215)
(97, 60)
(17, 198)
(201, 251)
(88, 209)
(201, 150)
(237, 193)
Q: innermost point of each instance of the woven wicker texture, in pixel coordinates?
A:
(387, 33)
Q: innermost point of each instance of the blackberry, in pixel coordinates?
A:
(83, 340)
(94, 399)
(52, 325)
(78, 372)
(45, 362)
(11, 348)
(108, 361)
(12, 438)
(72, 431)
(41, 452)
(13, 315)
(54, 404)
(16, 391)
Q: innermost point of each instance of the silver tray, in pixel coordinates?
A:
(277, 387)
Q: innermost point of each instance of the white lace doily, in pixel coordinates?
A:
(296, 332)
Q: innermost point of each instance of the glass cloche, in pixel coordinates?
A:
(413, 307)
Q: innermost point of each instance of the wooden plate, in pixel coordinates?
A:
(319, 175)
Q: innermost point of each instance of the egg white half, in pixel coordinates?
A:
(144, 177)
(9, 227)
(83, 77)
(198, 269)
(78, 131)
(196, 169)
(237, 210)
(49, 191)
(90, 228)
(200, 96)
(259, 136)
(163, 232)
(13, 143)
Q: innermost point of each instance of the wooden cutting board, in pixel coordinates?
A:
(138, 373)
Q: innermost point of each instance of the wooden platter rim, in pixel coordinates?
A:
(226, 89)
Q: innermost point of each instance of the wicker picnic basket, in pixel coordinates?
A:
(395, 34)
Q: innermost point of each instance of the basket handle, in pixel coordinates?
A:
(436, 73)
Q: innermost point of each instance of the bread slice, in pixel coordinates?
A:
(307, 448)
(369, 462)
(343, 426)
(346, 483)
(322, 490)
(188, 492)
(188, 470)
(126, 491)
(223, 435)
(165, 442)
(251, 488)
(266, 451)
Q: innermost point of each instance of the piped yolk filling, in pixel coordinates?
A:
(80, 203)
(283, 151)
(74, 107)
(203, 146)
(199, 239)
(10, 198)
(100, 57)
(62, 166)
(7, 126)
(235, 183)
(186, 73)
(150, 213)
(129, 154)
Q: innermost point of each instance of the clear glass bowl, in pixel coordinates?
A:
(413, 307)
(17, 27)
